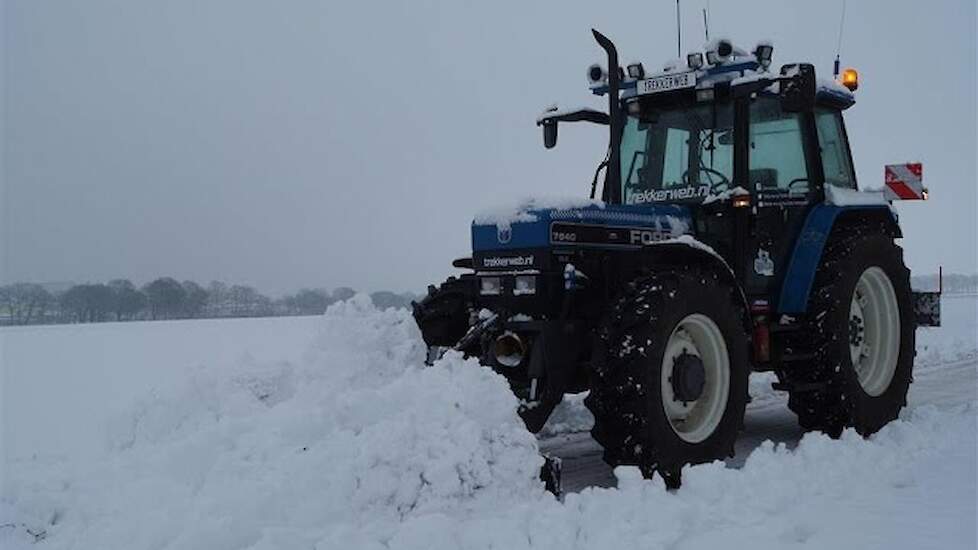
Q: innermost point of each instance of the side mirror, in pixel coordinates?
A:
(797, 87)
(549, 133)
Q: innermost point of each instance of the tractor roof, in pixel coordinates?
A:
(737, 66)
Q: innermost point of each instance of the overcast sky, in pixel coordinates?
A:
(289, 144)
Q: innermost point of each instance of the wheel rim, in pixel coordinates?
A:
(874, 331)
(696, 335)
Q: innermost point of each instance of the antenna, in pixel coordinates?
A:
(706, 25)
(838, 44)
(679, 34)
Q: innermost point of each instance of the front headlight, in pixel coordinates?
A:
(525, 284)
(490, 286)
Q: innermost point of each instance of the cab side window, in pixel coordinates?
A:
(835, 149)
(777, 150)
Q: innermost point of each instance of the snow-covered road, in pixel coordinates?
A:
(768, 419)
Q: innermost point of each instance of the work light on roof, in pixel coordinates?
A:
(596, 74)
(636, 71)
(720, 53)
(694, 60)
(763, 53)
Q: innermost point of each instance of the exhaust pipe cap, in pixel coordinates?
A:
(509, 350)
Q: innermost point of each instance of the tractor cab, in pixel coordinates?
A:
(748, 150)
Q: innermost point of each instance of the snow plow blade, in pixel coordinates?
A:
(550, 474)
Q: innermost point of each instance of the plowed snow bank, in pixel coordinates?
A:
(357, 445)
(282, 455)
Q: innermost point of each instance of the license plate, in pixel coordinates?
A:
(667, 83)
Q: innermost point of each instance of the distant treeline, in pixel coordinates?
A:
(165, 298)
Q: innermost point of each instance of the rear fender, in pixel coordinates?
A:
(822, 221)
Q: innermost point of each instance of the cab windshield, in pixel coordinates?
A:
(680, 154)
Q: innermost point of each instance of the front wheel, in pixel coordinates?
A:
(671, 386)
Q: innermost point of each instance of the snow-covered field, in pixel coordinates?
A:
(327, 432)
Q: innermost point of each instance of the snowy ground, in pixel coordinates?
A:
(327, 433)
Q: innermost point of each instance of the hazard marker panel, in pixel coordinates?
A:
(904, 182)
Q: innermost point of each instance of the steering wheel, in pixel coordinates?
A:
(797, 181)
(723, 183)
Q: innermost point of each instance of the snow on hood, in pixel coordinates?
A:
(520, 211)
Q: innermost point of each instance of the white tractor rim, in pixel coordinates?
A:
(874, 331)
(698, 335)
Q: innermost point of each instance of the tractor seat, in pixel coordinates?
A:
(764, 178)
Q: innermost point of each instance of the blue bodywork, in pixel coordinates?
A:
(807, 255)
(534, 230)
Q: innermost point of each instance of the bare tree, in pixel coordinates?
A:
(165, 297)
(343, 293)
(308, 302)
(88, 303)
(24, 302)
(127, 300)
(248, 302)
(217, 299)
(194, 299)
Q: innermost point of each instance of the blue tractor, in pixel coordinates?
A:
(729, 237)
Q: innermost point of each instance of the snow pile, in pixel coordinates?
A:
(355, 438)
(891, 491)
(570, 416)
(356, 445)
(522, 211)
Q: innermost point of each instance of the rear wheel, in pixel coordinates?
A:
(670, 382)
(862, 331)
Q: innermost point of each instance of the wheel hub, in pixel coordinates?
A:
(874, 331)
(857, 329)
(688, 377)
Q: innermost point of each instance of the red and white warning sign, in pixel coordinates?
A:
(904, 182)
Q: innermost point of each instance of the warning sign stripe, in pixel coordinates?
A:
(904, 181)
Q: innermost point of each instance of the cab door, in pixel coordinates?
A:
(785, 179)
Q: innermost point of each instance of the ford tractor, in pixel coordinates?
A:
(729, 236)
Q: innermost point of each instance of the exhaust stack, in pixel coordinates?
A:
(509, 350)
(612, 179)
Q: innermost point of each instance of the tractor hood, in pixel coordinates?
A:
(535, 224)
